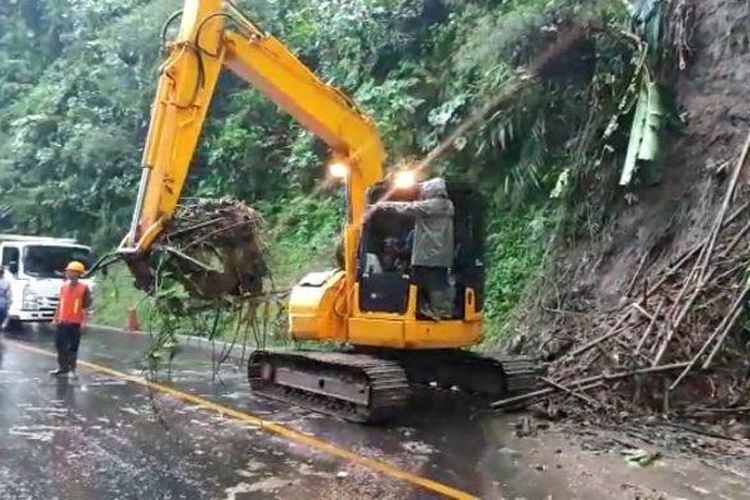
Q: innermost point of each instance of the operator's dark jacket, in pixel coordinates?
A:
(433, 232)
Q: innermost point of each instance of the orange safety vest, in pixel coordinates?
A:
(72, 308)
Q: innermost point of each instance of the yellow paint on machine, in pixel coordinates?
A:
(390, 470)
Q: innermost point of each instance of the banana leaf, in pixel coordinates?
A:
(644, 146)
(651, 115)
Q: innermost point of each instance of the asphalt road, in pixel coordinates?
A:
(110, 435)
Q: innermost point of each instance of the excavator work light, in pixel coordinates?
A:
(338, 170)
(404, 179)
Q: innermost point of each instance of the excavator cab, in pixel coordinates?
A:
(384, 272)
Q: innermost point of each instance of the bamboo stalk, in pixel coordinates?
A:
(573, 393)
(681, 316)
(637, 273)
(680, 262)
(650, 327)
(724, 207)
(739, 309)
(641, 310)
(588, 383)
(529, 396)
(610, 333)
(722, 326)
(735, 240)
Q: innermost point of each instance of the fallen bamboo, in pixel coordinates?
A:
(186, 230)
(188, 258)
(691, 252)
(644, 371)
(699, 411)
(702, 432)
(210, 235)
(657, 341)
(718, 331)
(724, 207)
(588, 383)
(530, 396)
(743, 206)
(737, 238)
(573, 393)
(674, 268)
(681, 316)
(739, 309)
(610, 333)
(641, 310)
(733, 270)
(637, 273)
(650, 327)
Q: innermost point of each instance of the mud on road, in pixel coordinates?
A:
(106, 437)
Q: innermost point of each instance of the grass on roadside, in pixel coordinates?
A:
(114, 295)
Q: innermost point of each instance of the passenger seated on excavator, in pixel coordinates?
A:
(432, 252)
(396, 255)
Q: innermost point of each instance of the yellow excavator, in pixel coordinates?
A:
(370, 309)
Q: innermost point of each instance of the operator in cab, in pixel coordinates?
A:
(432, 250)
(71, 315)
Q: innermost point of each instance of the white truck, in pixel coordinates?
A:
(34, 266)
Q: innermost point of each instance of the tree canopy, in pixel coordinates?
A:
(77, 78)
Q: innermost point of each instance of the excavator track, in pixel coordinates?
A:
(374, 385)
(356, 387)
(484, 377)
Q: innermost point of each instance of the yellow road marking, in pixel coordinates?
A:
(385, 468)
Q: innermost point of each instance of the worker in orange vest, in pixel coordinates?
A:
(75, 300)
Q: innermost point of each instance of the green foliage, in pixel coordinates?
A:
(70, 141)
(305, 235)
(516, 247)
(77, 79)
(114, 295)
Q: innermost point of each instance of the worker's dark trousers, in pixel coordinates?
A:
(67, 341)
(435, 294)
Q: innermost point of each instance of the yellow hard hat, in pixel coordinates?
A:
(76, 267)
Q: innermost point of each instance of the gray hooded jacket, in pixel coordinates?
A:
(433, 232)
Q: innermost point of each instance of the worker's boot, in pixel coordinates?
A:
(72, 361)
(62, 363)
(441, 302)
(426, 311)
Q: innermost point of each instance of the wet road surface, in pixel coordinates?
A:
(106, 437)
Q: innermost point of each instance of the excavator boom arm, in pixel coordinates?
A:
(205, 45)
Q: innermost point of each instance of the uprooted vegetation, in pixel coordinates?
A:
(208, 272)
(213, 248)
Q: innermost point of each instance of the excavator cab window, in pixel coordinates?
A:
(468, 249)
(384, 272)
(385, 263)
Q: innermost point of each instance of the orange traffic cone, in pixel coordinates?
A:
(133, 325)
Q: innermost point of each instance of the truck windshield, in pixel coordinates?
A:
(45, 261)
